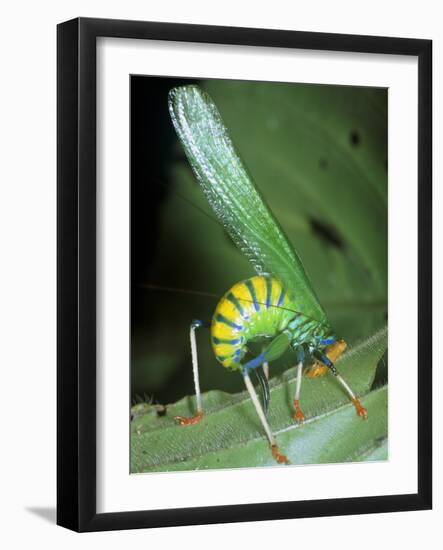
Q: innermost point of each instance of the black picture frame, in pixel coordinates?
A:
(76, 266)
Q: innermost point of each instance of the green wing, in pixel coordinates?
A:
(234, 198)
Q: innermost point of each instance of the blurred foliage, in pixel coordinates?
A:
(230, 434)
(319, 156)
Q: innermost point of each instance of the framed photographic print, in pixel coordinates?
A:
(244, 274)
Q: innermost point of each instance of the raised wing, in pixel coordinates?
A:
(233, 196)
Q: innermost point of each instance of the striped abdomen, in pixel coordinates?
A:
(256, 307)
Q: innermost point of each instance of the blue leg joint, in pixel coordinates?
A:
(196, 323)
(254, 363)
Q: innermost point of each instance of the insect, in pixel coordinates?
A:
(278, 305)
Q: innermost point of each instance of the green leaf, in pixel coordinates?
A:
(378, 450)
(230, 434)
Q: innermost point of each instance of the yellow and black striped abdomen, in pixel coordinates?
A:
(256, 307)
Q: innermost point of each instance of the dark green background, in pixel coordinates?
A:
(319, 156)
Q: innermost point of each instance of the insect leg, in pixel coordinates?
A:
(265, 367)
(273, 351)
(264, 386)
(185, 420)
(280, 458)
(361, 411)
(263, 378)
(298, 413)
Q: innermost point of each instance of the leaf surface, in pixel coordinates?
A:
(230, 434)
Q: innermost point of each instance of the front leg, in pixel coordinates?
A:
(361, 411)
(298, 413)
(189, 420)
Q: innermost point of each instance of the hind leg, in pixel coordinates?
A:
(187, 420)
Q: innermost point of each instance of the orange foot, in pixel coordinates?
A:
(281, 459)
(189, 420)
(361, 411)
(298, 413)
